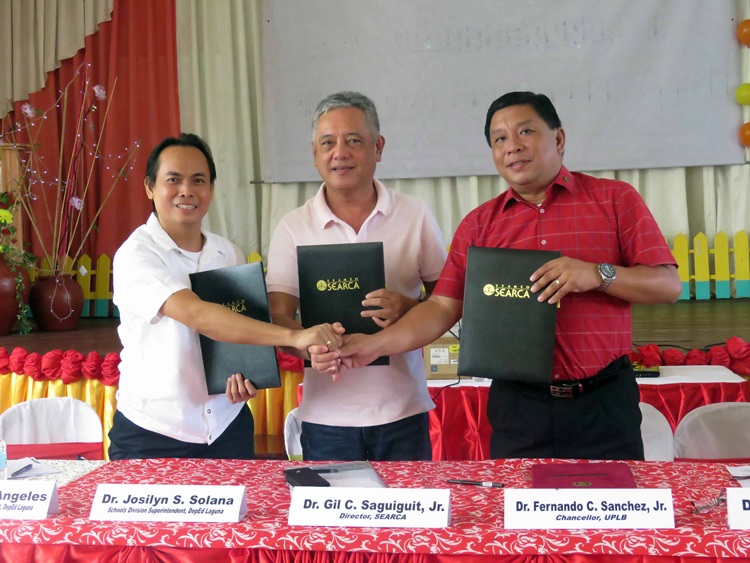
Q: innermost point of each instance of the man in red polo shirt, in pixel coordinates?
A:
(613, 255)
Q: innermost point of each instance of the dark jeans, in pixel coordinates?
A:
(605, 423)
(407, 439)
(129, 441)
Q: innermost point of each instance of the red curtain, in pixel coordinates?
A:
(138, 48)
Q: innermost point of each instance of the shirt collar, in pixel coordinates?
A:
(564, 180)
(323, 213)
(161, 238)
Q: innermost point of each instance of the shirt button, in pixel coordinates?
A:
(557, 376)
(210, 437)
(541, 210)
(209, 411)
(544, 241)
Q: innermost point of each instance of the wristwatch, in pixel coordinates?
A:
(608, 274)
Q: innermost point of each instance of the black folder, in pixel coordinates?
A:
(333, 282)
(243, 289)
(505, 332)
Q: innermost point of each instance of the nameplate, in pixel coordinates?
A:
(169, 503)
(535, 509)
(371, 508)
(738, 508)
(28, 500)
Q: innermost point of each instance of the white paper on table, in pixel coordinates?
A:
(350, 474)
(741, 471)
(692, 374)
(37, 468)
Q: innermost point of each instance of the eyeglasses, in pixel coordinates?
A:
(706, 506)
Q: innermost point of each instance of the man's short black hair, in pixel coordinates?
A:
(541, 104)
(184, 140)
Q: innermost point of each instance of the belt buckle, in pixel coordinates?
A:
(561, 391)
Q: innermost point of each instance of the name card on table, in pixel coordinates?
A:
(738, 508)
(28, 500)
(368, 507)
(535, 509)
(169, 503)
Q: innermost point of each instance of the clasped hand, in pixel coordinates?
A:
(353, 354)
(558, 277)
(391, 306)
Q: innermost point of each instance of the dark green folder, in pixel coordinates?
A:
(333, 282)
(243, 289)
(505, 332)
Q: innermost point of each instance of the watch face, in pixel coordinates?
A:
(607, 271)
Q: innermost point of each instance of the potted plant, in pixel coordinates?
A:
(53, 190)
(14, 271)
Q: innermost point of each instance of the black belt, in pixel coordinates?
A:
(570, 389)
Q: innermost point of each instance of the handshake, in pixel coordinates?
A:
(356, 351)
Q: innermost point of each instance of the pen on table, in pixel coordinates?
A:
(492, 484)
(21, 471)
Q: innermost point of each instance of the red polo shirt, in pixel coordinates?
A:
(586, 218)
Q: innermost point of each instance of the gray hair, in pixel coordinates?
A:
(348, 100)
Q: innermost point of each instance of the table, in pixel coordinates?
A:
(459, 428)
(67, 470)
(476, 531)
(680, 389)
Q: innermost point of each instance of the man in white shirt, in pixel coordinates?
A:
(164, 409)
(374, 412)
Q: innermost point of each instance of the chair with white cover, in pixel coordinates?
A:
(715, 431)
(658, 441)
(52, 428)
(292, 431)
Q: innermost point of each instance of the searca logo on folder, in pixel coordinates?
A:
(507, 291)
(341, 284)
(238, 305)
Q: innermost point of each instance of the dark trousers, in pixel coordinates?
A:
(604, 423)
(407, 439)
(130, 441)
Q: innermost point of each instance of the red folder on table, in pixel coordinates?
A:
(582, 476)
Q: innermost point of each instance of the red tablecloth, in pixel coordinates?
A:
(675, 400)
(475, 532)
(459, 428)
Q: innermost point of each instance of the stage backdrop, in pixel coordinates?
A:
(637, 84)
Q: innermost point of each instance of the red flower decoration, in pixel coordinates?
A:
(17, 360)
(4, 361)
(287, 362)
(92, 366)
(33, 366)
(673, 357)
(696, 358)
(635, 357)
(738, 349)
(71, 366)
(110, 369)
(718, 356)
(650, 356)
(739, 352)
(51, 365)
